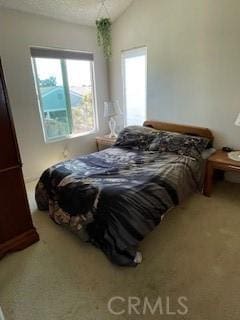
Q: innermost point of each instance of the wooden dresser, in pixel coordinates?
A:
(16, 228)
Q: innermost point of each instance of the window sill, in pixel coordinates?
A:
(71, 136)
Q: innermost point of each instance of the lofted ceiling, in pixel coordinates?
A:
(76, 11)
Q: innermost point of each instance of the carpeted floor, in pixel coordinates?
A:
(194, 253)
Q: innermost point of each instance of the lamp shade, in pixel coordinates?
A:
(237, 121)
(111, 109)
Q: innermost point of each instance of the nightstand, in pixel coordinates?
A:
(218, 161)
(104, 142)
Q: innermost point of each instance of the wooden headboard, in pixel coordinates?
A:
(173, 127)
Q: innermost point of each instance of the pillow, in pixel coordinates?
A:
(210, 143)
(136, 137)
(178, 143)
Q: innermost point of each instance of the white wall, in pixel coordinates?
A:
(193, 61)
(18, 31)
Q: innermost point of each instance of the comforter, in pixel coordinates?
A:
(115, 197)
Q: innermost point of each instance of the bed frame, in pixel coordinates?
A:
(173, 127)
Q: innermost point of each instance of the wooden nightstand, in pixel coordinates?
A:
(104, 142)
(218, 161)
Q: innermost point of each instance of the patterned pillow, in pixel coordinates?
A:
(136, 137)
(178, 143)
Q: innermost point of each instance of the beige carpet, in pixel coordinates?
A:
(195, 253)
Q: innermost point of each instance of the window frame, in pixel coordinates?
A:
(129, 53)
(66, 89)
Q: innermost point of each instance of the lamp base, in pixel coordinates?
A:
(109, 136)
(112, 127)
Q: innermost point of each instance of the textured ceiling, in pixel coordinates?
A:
(76, 11)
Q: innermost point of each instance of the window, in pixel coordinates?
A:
(65, 90)
(134, 68)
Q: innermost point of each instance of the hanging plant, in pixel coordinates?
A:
(104, 36)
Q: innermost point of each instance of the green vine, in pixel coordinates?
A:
(104, 38)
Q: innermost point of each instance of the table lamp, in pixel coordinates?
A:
(235, 155)
(111, 109)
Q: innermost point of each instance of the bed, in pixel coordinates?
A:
(115, 197)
